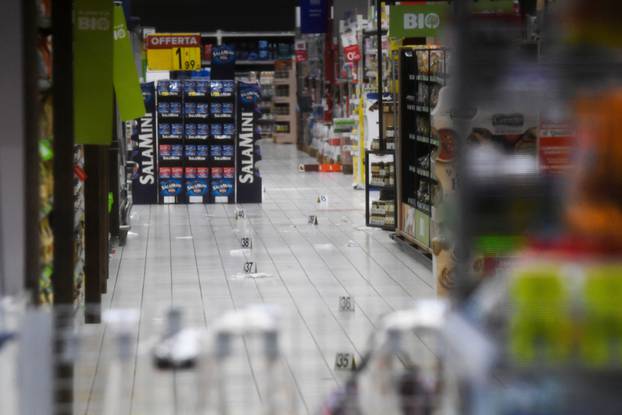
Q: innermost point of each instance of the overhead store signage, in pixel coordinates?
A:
(422, 20)
(125, 76)
(313, 16)
(173, 51)
(93, 60)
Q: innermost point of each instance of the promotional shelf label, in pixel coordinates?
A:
(173, 51)
(93, 72)
(126, 83)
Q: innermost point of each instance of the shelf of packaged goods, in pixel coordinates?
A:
(430, 78)
(423, 139)
(267, 62)
(228, 35)
(419, 205)
(381, 152)
(373, 186)
(282, 100)
(418, 108)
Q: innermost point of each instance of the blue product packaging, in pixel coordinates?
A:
(191, 150)
(216, 88)
(215, 151)
(170, 187)
(227, 108)
(177, 129)
(228, 129)
(190, 87)
(202, 150)
(216, 108)
(202, 108)
(228, 87)
(164, 129)
(164, 108)
(174, 87)
(191, 130)
(263, 55)
(227, 151)
(190, 108)
(177, 150)
(196, 187)
(263, 44)
(202, 87)
(216, 129)
(203, 129)
(163, 87)
(175, 108)
(222, 187)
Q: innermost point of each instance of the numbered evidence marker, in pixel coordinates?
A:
(312, 220)
(345, 362)
(346, 303)
(322, 201)
(246, 242)
(248, 267)
(239, 214)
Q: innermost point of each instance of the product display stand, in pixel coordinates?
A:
(422, 74)
(266, 120)
(284, 103)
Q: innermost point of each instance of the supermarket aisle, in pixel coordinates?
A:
(190, 256)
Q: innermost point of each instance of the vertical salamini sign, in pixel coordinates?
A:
(248, 181)
(144, 183)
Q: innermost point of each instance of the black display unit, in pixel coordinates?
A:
(422, 74)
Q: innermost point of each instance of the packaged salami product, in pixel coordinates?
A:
(190, 87)
(228, 129)
(216, 108)
(177, 129)
(177, 172)
(202, 151)
(215, 151)
(190, 172)
(165, 150)
(216, 88)
(190, 109)
(227, 108)
(217, 172)
(228, 87)
(202, 87)
(191, 151)
(202, 108)
(228, 172)
(163, 87)
(164, 129)
(203, 129)
(227, 151)
(191, 130)
(175, 108)
(177, 150)
(163, 108)
(165, 172)
(202, 172)
(174, 87)
(216, 129)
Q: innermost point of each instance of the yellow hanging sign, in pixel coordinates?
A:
(173, 52)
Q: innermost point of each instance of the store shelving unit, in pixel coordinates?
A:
(422, 74)
(266, 120)
(284, 103)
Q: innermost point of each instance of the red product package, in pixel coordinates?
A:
(191, 172)
(165, 149)
(228, 172)
(177, 172)
(165, 172)
(217, 172)
(202, 172)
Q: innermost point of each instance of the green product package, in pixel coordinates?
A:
(93, 97)
(126, 82)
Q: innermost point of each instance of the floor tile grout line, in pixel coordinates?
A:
(140, 319)
(196, 264)
(233, 302)
(103, 334)
(284, 357)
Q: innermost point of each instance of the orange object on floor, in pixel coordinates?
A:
(330, 168)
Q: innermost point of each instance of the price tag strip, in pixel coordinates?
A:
(248, 267)
(312, 220)
(246, 242)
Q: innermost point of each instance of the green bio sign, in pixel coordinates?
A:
(421, 20)
(126, 83)
(93, 71)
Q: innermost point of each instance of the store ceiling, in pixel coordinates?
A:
(211, 15)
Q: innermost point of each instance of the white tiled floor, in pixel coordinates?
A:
(189, 256)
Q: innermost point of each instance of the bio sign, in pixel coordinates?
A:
(423, 20)
(173, 52)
